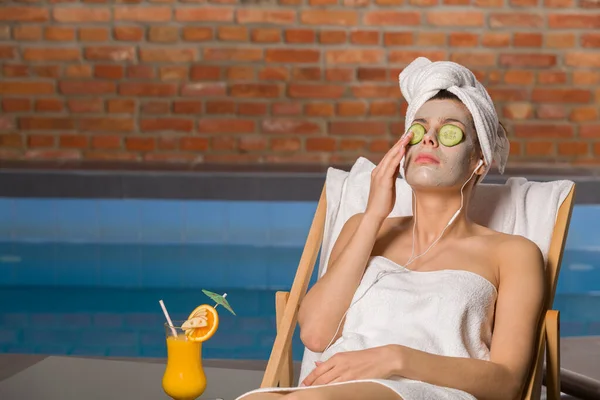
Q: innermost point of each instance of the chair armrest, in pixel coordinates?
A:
(552, 327)
(286, 376)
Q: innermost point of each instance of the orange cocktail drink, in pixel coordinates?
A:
(184, 377)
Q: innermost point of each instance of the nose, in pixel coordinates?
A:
(430, 138)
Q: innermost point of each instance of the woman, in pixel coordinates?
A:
(432, 306)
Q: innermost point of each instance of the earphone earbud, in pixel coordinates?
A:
(479, 164)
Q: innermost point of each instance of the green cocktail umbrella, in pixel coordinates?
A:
(220, 300)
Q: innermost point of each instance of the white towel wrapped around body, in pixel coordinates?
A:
(446, 312)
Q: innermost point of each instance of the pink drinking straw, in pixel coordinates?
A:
(162, 305)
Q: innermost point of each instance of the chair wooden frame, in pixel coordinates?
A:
(279, 371)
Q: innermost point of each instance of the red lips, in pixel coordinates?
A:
(425, 158)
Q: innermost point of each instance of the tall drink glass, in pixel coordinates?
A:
(184, 377)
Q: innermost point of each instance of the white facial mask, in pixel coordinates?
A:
(455, 162)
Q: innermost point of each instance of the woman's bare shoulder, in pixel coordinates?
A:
(509, 247)
(507, 241)
(512, 255)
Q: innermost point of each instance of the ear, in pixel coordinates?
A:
(479, 169)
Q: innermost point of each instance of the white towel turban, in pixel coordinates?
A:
(423, 79)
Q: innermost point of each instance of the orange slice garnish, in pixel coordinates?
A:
(201, 324)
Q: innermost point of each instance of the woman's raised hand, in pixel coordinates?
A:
(382, 194)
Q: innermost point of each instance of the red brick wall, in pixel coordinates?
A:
(295, 81)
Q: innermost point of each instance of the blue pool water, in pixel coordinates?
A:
(129, 322)
(144, 265)
(102, 299)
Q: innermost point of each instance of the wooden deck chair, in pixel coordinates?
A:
(279, 371)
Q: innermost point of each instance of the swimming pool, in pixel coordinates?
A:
(84, 276)
(102, 299)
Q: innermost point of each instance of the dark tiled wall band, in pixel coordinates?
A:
(259, 185)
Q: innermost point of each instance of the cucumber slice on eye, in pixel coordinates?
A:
(450, 135)
(418, 132)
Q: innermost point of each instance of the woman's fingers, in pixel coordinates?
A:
(316, 373)
(385, 160)
(398, 151)
(393, 152)
(381, 193)
(327, 377)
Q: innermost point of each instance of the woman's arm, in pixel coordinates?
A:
(518, 307)
(324, 305)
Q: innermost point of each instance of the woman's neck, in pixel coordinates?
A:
(433, 211)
